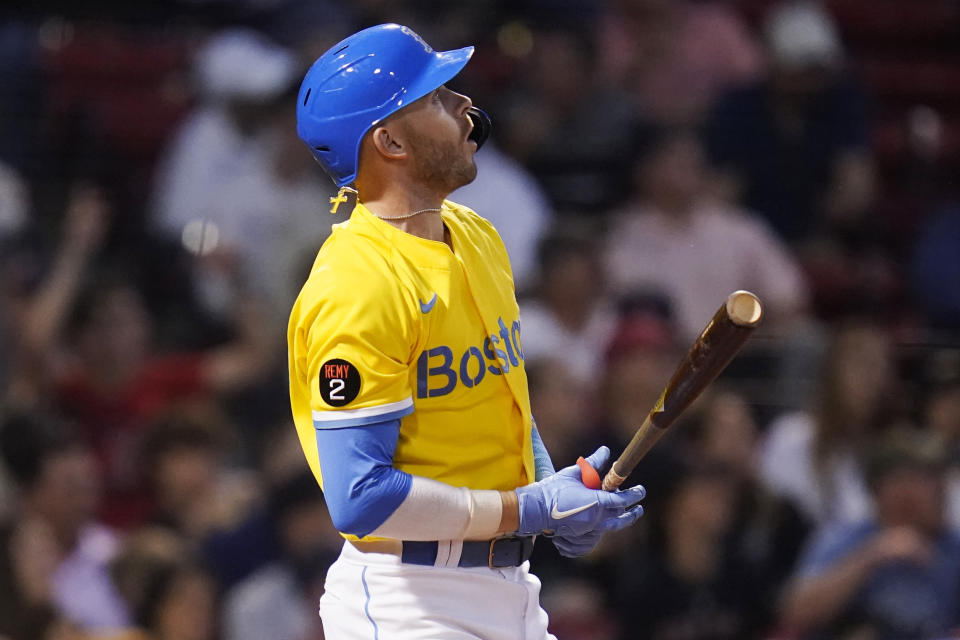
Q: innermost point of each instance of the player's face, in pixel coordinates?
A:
(437, 131)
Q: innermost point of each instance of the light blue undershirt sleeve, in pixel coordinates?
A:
(542, 464)
(360, 484)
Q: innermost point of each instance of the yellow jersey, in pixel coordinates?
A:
(390, 325)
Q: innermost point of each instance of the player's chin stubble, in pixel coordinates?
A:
(442, 164)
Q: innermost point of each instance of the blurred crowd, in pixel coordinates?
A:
(648, 157)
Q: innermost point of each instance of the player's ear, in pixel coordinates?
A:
(387, 141)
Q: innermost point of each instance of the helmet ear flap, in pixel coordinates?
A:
(481, 125)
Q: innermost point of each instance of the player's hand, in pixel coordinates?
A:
(562, 506)
(576, 546)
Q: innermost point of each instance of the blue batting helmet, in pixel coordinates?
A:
(360, 81)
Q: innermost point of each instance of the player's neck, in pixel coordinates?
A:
(394, 207)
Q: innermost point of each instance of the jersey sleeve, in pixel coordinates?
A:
(353, 340)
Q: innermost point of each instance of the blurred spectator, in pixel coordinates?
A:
(118, 383)
(767, 532)
(637, 360)
(683, 584)
(507, 195)
(37, 318)
(560, 406)
(309, 27)
(895, 576)
(107, 377)
(815, 459)
(675, 56)
(795, 144)
(54, 558)
(236, 185)
(280, 454)
(14, 203)
(673, 239)
(171, 597)
(232, 553)
(21, 93)
(565, 128)
(193, 491)
(935, 268)
(14, 200)
(569, 318)
(280, 600)
(940, 416)
(941, 409)
(577, 609)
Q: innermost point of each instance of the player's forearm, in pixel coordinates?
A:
(436, 511)
(542, 463)
(367, 496)
(433, 510)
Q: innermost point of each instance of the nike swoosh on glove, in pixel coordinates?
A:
(561, 505)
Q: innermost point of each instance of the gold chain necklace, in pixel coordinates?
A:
(342, 196)
(410, 215)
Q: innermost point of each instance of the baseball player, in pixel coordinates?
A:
(407, 377)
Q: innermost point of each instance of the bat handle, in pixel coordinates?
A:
(613, 480)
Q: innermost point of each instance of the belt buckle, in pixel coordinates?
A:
(520, 541)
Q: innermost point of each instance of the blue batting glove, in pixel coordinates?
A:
(561, 505)
(576, 546)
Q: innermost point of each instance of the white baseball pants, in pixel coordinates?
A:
(374, 596)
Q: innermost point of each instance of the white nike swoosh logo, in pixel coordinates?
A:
(560, 515)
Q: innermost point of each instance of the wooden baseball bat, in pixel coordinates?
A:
(722, 338)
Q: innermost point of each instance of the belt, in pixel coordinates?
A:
(506, 551)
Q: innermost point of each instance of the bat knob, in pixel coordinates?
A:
(589, 475)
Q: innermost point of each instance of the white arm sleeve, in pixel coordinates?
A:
(436, 511)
